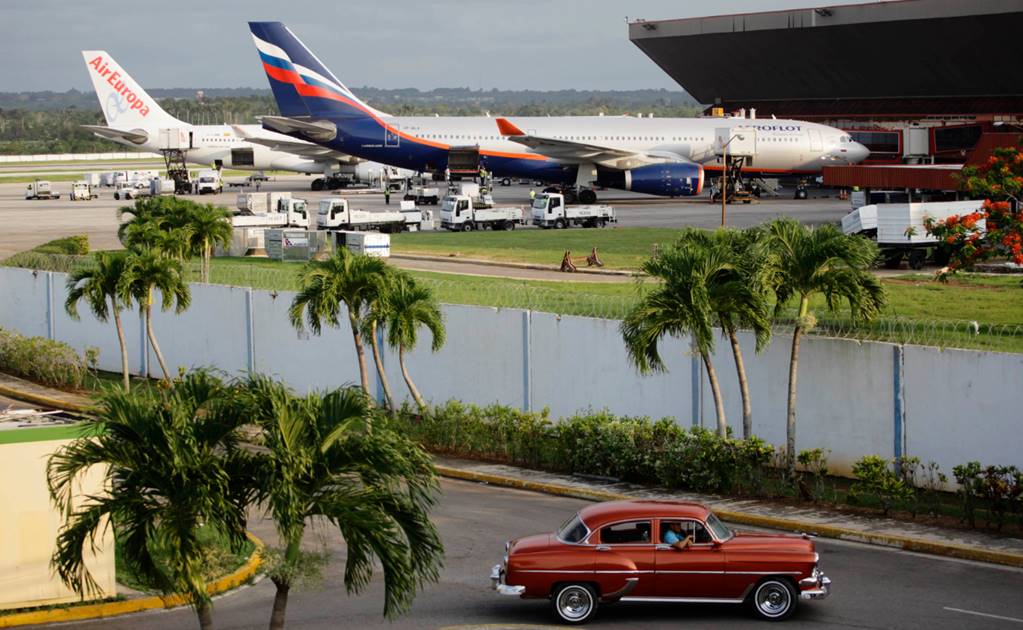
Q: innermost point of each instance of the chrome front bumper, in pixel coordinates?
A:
(497, 581)
(821, 586)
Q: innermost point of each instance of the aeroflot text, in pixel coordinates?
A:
(114, 79)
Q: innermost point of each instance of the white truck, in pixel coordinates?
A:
(424, 194)
(459, 213)
(209, 182)
(131, 190)
(899, 229)
(549, 211)
(40, 189)
(82, 191)
(336, 214)
(260, 202)
(287, 212)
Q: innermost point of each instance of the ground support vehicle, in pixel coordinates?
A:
(335, 213)
(287, 212)
(82, 191)
(899, 229)
(40, 189)
(131, 190)
(427, 195)
(549, 211)
(161, 186)
(259, 202)
(459, 213)
(209, 182)
(659, 552)
(366, 243)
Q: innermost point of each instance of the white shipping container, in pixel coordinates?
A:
(859, 220)
(903, 223)
(368, 243)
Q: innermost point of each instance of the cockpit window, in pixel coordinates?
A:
(573, 531)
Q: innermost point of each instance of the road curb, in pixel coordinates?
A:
(512, 265)
(39, 399)
(906, 543)
(113, 609)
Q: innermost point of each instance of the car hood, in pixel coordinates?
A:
(750, 541)
(527, 544)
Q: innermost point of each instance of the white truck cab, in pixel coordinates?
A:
(549, 211)
(461, 213)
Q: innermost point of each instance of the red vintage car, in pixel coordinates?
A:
(659, 551)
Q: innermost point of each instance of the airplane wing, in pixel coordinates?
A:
(295, 147)
(558, 149)
(135, 136)
(319, 130)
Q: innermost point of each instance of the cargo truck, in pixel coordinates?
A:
(336, 214)
(549, 211)
(41, 189)
(459, 213)
(287, 213)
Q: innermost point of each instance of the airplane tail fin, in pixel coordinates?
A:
(125, 104)
(302, 85)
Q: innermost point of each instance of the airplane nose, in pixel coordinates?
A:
(858, 153)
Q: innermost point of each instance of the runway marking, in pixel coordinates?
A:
(980, 614)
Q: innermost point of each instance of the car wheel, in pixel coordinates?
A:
(467, 226)
(774, 599)
(574, 603)
(511, 225)
(560, 224)
(506, 182)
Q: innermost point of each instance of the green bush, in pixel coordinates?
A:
(1000, 488)
(814, 463)
(77, 245)
(877, 479)
(42, 360)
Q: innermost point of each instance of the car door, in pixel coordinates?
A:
(625, 550)
(695, 572)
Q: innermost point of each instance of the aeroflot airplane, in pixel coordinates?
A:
(135, 119)
(665, 156)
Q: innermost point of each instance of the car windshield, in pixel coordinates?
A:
(573, 531)
(721, 532)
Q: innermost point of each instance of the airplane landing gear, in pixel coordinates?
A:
(587, 196)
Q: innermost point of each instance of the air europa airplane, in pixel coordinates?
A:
(663, 156)
(134, 118)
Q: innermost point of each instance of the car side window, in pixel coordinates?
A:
(628, 533)
(694, 528)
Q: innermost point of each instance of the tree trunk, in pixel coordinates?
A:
(205, 260)
(740, 368)
(790, 421)
(408, 380)
(122, 342)
(280, 604)
(715, 389)
(152, 339)
(205, 613)
(378, 361)
(360, 353)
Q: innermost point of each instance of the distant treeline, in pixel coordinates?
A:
(48, 122)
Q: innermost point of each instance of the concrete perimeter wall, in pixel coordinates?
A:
(855, 398)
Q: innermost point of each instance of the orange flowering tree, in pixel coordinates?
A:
(994, 231)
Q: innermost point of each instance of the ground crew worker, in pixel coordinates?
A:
(532, 194)
(387, 194)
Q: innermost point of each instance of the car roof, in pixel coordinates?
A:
(600, 513)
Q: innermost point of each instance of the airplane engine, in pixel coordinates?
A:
(669, 179)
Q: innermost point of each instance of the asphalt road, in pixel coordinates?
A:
(873, 587)
(28, 223)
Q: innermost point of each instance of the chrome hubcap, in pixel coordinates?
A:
(574, 603)
(773, 599)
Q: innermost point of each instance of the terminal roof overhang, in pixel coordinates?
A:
(940, 55)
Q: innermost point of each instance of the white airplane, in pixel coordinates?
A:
(664, 156)
(134, 118)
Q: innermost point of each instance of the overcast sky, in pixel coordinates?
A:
(505, 44)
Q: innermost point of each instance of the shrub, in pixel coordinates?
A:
(814, 463)
(876, 479)
(77, 245)
(43, 360)
(970, 489)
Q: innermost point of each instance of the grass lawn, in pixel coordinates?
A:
(618, 248)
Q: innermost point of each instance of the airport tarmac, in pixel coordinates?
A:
(28, 223)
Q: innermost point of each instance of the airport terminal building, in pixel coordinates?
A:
(917, 81)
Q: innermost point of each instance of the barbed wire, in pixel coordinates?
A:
(600, 301)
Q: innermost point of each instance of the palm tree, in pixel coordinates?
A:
(161, 224)
(806, 262)
(681, 305)
(146, 271)
(740, 298)
(376, 487)
(372, 323)
(97, 284)
(171, 469)
(345, 278)
(409, 306)
(208, 226)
